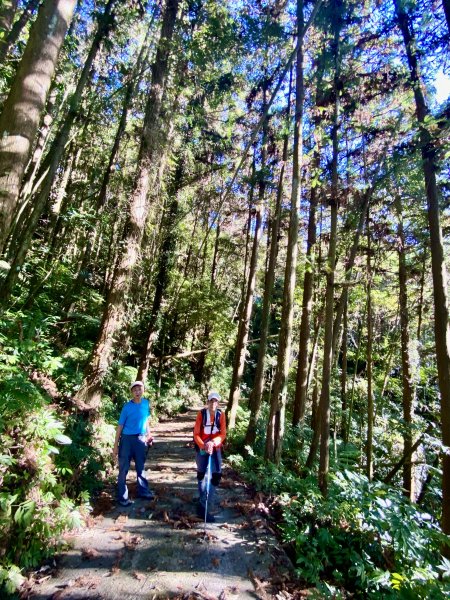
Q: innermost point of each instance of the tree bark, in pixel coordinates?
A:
(307, 301)
(324, 403)
(344, 373)
(407, 384)
(438, 268)
(259, 380)
(275, 425)
(165, 261)
(151, 155)
(12, 31)
(244, 322)
(446, 5)
(48, 170)
(370, 409)
(7, 14)
(21, 113)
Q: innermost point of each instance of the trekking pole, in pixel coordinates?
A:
(208, 479)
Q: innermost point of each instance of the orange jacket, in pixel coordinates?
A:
(200, 437)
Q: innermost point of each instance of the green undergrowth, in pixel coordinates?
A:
(52, 459)
(364, 540)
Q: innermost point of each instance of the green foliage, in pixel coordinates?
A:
(364, 537)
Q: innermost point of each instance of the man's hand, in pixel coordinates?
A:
(209, 447)
(115, 453)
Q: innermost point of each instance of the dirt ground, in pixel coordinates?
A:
(160, 549)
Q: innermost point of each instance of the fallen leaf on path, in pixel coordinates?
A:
(87, 582)
(122, 519)
(259, 586)
(215, 562)
(182, 523)
(166, 518)
(89, 553)
(89, 521)
(139, 576)
(115, 528)
(234, 590)
(132, 541)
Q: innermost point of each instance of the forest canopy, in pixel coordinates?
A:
(245, 196)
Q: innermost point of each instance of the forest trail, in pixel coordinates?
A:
(159, 549)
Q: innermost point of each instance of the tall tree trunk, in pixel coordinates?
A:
(22, 111)
(307, 303)
(7, 13)
(48, 170)
(258, 384)
(12, 31)
(438, 268)
(94, 230)
(344, 373)
(407, 384)
(151, 155)
(165, 261)
(446, 5)
(275, 425)
(244, 322)
(324, 404)
(370, 410)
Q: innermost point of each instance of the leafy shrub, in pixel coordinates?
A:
(366, 538)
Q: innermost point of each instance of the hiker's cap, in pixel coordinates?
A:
(213, 395)
(135, 383)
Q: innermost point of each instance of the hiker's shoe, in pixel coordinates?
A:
(147, 496)
(126, 502)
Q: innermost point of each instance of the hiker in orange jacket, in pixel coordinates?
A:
(209, 434)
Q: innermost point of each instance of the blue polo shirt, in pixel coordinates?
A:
(134, 417)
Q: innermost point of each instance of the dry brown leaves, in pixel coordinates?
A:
(103, 504)
(121, 519)
(183, 523)
(130, 542)
(89, 553)
(139, 576)
(260, 586)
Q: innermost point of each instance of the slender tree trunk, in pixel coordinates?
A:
(258, 384)
(165, 261)
(307, 305)
(446, 5)
(422, 288)
(275, 425)
(7, 13)
(344, 374)
(438, 268)
(12, 31)
(324, 404)
(370, 409)
(205, 373)
(151, 155)
(407, 384)
(244, 322)
(48, 170)
(21, 113)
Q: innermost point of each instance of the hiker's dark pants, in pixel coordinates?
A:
(132, 447)
(207, 490)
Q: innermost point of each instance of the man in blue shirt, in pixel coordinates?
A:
(132, 436)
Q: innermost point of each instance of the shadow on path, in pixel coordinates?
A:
(160, 549)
